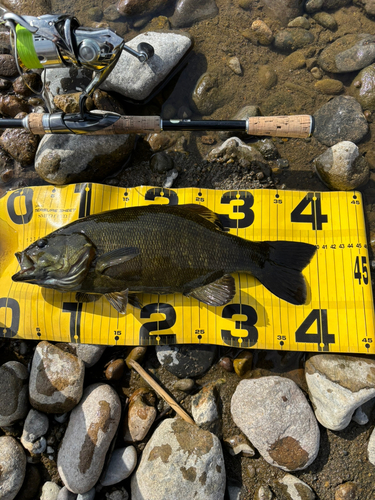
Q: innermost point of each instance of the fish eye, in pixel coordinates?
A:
(41, 243)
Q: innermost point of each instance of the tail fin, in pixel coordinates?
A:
(281, 273)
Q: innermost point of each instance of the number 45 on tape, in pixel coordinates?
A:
(338, 315)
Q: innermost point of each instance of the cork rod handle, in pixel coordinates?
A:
(281, 126)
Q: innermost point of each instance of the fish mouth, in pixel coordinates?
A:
(27, 267)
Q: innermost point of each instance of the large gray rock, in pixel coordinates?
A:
(13, 392)
(338, 385)
(66, 158)
(121, 465)
(180, 461)
(56, 379)
(276, 417)
(91, 428)
(348, 53)
(363, 88)
(89, 353)
(136, 80)
(12, 467)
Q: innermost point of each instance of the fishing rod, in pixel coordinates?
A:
(58, 41)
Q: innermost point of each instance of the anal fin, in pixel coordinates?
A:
(118, 300)
(217, 293)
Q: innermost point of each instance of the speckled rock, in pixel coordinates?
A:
(186, 360)
(264, 493)
(289, 437)
(8, 65)
(69, 103)
(205, 408)
(35, 426)
(56, 379)
(236, 149)
(137, 81)
(14, 402)
(140, 416)
(188, 12)
(342, 167)
(64, 81)
(363, 88)
(292, 39)
(348, 53)
(347, 491)
(291, 488)
(50, 491)
(282, 10)
(121, 465)
(191, 459)
(267, 76)
(235, 65)
(91, 428)
(338, 385)
(66, 158)
(340, 119)
(20, 144)
(32, 79)
(12, 467)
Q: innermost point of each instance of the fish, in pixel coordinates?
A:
(160, 249)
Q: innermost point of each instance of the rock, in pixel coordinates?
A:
(106, 102)
(238, 444)
(234, 489)
(140, 7)
(121, 494)
(325, 20)
(94, 14)
(64, 81)
(66, 158)
(172, 175)
(292, 39)
(245, 4)
(89, 495)
(121, 465)
(32, 79)
(115, 369)
(312, 6)
(184, 385)
(28, 7)
(226, 363)
(161, 162)
(205, 408)
(191, 459)
(243, 362)
(206, 95)
(347, 491)
(8, 65)
(267, 76)
(299, 22)
(338, 385)
(65, 494)
(137, 81)
(235, 65)
(56, 379)
(371, 448)
(12, 467)
(334, 4)
(30, 486)
(13, 392)
(264, 493)
(289, 437)
(367, 5)
(141, 415)
(186, 360)
(262, 32)
(348, 53)
(188, 12)
(291, 488)
(88, 353)
(295, 60)
(329, 86)
(236, 149)
(35, 426)
(20, 144)
(342, 167)
(111, 13)
(91, 428)
(11, 105)
(316, 73)
(362, 414)
(50, 491)
(363, 88)
(340, 119)
(282, 10)
(135, 354)
(69, 103)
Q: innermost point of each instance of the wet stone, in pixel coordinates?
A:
(65, 494)
(115, 369)
(141, 415)
(12, 467)
(88, 353)
(205, 408)
(262, 32)
(235, 65)
(184, 385)
(186, 360)
(338, 385)
(20, 145)
(291, 488)
(11, 105)
(140, 7)
(69, 103)
(14, 402)
(188, 12)
(8, 65)
(161, 162)
(91, 428)
(243, 363)
(226, 363)
(348, 53)
(289, 437)
(325, 20)
(206, 96)
(32, 79)
(299, 22)
(56, 379)
(283, 10)
(264, 493)
(342, 167)
(312, 6)
(295, 60)
(191, 458)
(340, 119)
(292, 39)
(329, 86)
(267, 76)
(135, 354)
(104, 101)
(121, 465)
(363, 88)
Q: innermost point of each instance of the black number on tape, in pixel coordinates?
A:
(315, 217)
(145, 337)
(358, 273)
(75, 310)
(85, 191)
(154, 193)
(14, 309)
(15, 200)
(321, 336)
(252, 333)
(248, 200)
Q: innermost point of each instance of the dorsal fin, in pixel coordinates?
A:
(206, 213)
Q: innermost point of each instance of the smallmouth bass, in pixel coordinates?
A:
(160, 249)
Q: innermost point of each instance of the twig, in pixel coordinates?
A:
(161, 391)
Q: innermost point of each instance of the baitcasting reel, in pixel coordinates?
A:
(56, 41)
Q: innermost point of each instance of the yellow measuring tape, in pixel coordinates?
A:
(338, 316)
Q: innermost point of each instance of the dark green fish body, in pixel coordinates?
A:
(162, 249)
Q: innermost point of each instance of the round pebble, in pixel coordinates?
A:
(121, 465)
(50, 491)
(347, 491)
(115, 369)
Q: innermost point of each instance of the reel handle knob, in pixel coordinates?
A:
(146, 50)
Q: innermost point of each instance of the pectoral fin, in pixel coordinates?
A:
(115, 258)
(216, 294)
(87, 297)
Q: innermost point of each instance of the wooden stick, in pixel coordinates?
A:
(161, 391)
